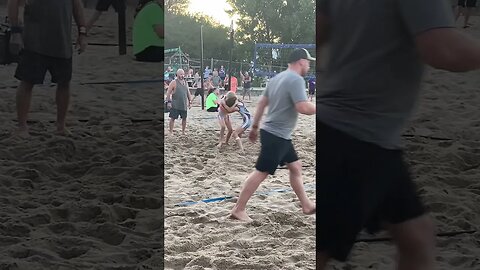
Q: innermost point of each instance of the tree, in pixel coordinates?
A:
(183, 30)
(274, 21)
(176, 6)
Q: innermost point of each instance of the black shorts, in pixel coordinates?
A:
(174, 114)
(247, 90)
(467, 3)
(311, 91)
(198, 92)
(274, 151)
(213, 109)
(151, 54)
(103, 5)
(359, 186)
(33, 67)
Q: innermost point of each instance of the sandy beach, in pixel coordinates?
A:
(442, 144)
(201, 236)
(92, 200)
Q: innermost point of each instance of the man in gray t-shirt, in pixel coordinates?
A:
(47, 46)
(366, 96)
(285, 95)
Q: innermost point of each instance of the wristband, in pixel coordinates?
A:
(82, 30)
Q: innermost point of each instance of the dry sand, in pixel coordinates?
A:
(92, 200)
(200, 236)
(447, 172)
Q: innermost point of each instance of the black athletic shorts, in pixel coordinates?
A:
(103, 5)
(151, 54)
(174, 113)
(33, 67)
(213, 109)
(198, 92)
(359, 186)
(274, 151)
(467, 3)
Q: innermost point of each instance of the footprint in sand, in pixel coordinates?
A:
(109, 233)
(123, 213)
(143, 202)
(15, 230)
(198, 166)
(62, 228)
(37, 219)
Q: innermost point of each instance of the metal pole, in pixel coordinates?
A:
(122, 32)
(201, 68)
(231, 53)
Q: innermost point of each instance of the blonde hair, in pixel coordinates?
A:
(230, 99)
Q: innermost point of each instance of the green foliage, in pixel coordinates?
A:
(176, 6)
(184, 31)
(266, 21)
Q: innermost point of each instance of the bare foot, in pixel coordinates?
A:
(309, 209)
(241, 216)
(220, 145)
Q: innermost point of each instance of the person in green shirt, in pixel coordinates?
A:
(148, 31)
(212, 100)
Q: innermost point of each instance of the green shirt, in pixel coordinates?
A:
(210, 102)
(144, 34)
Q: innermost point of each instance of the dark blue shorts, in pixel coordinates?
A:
(33, 67)
(174, 114)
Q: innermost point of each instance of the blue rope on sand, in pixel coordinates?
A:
(224, 198)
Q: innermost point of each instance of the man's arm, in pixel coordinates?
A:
(171, 88)
(227, 108)
(78, 13)
(13, 8)
(305, 107)
(448, 49)
(262, 104)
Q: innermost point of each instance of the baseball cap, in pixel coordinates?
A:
(298, 54)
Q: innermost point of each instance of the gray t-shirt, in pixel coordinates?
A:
(283, 92)
(48, 27)
(374, 71)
